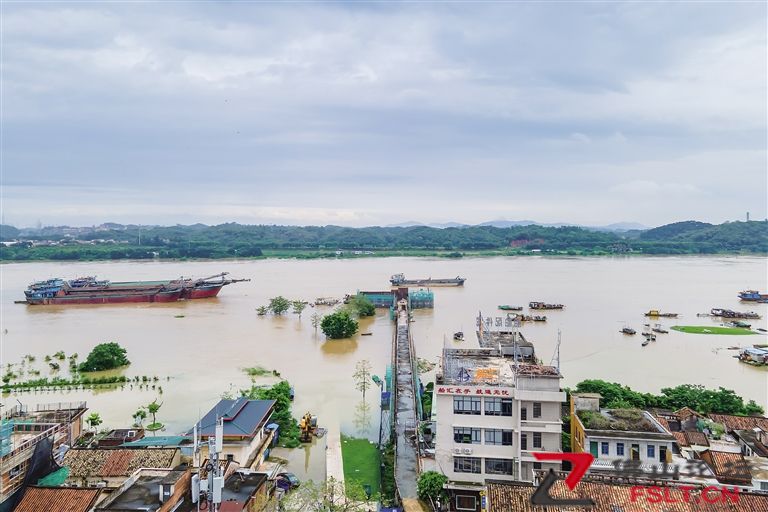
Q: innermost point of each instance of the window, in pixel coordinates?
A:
(604, 448)
(466, 405)
(537, 439)
(466, 435)
(523, 413)
(651, 451)
(523, 441)
(764, 486)
(498, 406)
(537, 465)
(498, 437)
(466, 465)
(620, 449)
(537, 409)
(464, 502)
(498, 466)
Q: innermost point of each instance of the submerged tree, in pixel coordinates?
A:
(105, 356)
(362, 376)
(316, 319)
(338, 325)
(153, 407)
(279, 305)
(298, 307)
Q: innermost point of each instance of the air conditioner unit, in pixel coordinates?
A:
(467, 451)
(457, 450)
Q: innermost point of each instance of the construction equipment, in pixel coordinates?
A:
(308, 426)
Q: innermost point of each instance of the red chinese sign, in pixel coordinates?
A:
(468, 391)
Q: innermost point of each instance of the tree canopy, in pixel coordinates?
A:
(338, 325)
(697, 397)
(105, 356)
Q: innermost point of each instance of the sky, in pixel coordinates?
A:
(378, 113)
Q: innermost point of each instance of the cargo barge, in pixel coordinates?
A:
(727, 313)
(544, 305)
(753, 296)
(399, 280)
(89, 290)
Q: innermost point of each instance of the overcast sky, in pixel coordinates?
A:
(334, 113)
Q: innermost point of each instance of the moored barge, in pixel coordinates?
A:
(399, 280)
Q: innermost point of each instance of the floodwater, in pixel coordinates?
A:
(201, 355)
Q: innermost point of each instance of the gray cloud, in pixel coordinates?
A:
(377, 113)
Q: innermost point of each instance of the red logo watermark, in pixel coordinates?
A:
(652, 494)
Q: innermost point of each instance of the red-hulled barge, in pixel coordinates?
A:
(89, 290)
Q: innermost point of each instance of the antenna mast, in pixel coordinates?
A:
(556, 357)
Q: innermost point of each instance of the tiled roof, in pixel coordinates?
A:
(504, 497)
(57, 499)
(686, 412)
(697, 438)
(681, 439)
(728, 467)
(112, 462)
(731, 422)
(750, 438)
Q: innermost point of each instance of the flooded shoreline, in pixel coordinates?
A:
(201, 355)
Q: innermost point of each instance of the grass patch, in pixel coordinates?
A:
(361, 462)
(703, 329)
(257, 371)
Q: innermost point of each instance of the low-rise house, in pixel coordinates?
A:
(245, 492)
(729, 468)
(246, 438)
(34, 432)
(151, 490)
(617, 434)
(732, 422)
(753, 442)
(58, 499)
(110, 467)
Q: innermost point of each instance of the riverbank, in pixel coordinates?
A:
(313, 254)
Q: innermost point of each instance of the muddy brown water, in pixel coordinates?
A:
(200, 356)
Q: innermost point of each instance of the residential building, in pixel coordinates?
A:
(151, 490)
(729, 468)
(753, 442)
(58, 499)
(246, 492)
(33, 434)
(612, 435)
(492, 414)
(246, 438)
(111, 467)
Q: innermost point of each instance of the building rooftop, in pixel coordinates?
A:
(754, 438)
(728, 467)
(611, 497)
(159, 441)
(733, 422)
(486, 367)
(239, 487)
(57, 499)
(624, 420)
(142, 491)
(242, 417)
(115, 462)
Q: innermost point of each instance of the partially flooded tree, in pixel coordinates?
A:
(316, 319)
(362, 376)
(298, 307)
(279, 305)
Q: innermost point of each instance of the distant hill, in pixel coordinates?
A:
(237, 240)
(8, 232)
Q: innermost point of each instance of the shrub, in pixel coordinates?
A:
(338, 325)
(105, 356)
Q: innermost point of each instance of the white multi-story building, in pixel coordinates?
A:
(492, 413)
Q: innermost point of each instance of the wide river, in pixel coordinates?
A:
(200, 355)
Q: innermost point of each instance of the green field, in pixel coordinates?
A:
(361, 461)
(703, 329)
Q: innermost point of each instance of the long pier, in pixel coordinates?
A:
(406, 411)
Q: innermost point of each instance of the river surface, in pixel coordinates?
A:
(200, 355)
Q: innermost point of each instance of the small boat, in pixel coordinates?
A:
(656, 312)
(761, 329)
(537, 318)
(753, 296)
(738, 323)
(458, 336)
(628, 330)
(646, 342)
(366, 334)
(544, 305)
(507, 307)
(649, 336)
(658, 328)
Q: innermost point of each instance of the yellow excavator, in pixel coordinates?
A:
(308, 426)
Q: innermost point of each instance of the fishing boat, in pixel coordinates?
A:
(646, 342)
(399, 280)
(656, 312)
(753, 296)
(649, 336)
(544, 305)
(658, 328)
(507, 307)
(458, 336)
(628, 330)
(89, 290)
